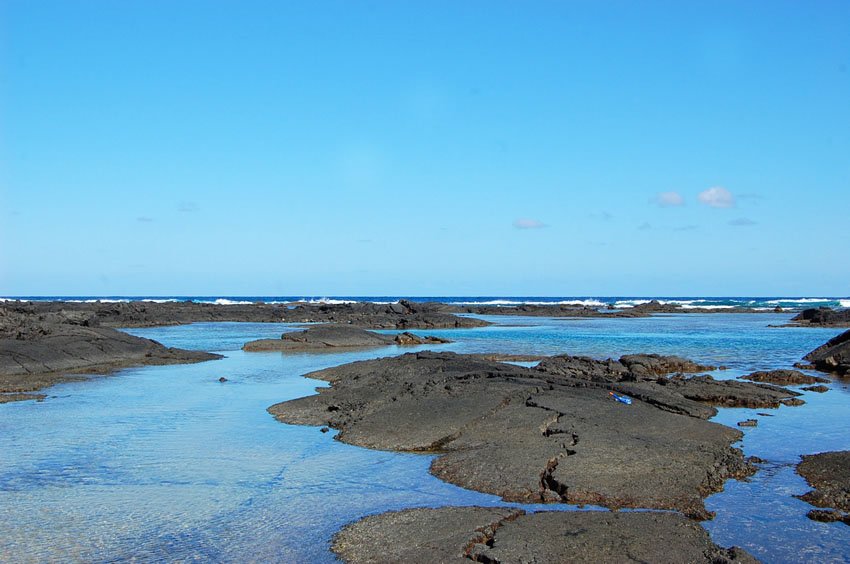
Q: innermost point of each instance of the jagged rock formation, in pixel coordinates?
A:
(833, 356)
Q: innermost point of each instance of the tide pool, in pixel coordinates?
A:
(168, 463)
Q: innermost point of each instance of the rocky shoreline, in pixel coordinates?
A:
(829, 474)
(40, 350)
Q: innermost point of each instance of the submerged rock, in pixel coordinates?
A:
(829, 474)
(484, 534)
(331, 337)
(833, 356)
(528, 435)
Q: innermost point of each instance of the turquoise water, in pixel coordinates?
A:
(166, 462)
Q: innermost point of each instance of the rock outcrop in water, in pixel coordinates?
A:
(829, 474)
(483, 534)
(331, 337)
(39, 350)
(833, 356)
(551, 434)
(823, 317)
(784, 378)
(401, 315)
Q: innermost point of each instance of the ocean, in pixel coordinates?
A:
(166, 463)
(619, 302)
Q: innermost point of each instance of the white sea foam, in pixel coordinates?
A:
(224, 301)
(589, 303)
(99, 300)
(798, 301)
(158, 301)
(327, 301)
(844, 303)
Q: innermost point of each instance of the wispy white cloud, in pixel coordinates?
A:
(686, 228)
(743, 222)
(604, 216)
(526, 223)
(717, 197)
(143, 219)
(645, 226)
(669, 199)
(188, 207)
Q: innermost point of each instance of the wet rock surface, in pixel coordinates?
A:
(502, 535)
(540, 435)
(784, 378)
(331, 337)
(823, 317)
(39, 350)
(401, 315)
(833, 356)
(829, 474)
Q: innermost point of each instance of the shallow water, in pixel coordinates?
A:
(166, 462)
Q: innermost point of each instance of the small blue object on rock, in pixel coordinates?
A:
(621, 399)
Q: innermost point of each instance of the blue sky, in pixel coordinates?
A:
(424, 148)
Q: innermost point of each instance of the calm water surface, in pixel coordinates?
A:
(166, 462)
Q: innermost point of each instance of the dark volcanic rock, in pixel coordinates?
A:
(40, 350)
(829, 474)
(568, 440)
(819, 388)
(833, 356)
(330, 337)
(641, 376)
(748, 423)
(401, 315)
(823, 317)
(783, 378)
(479, 534)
